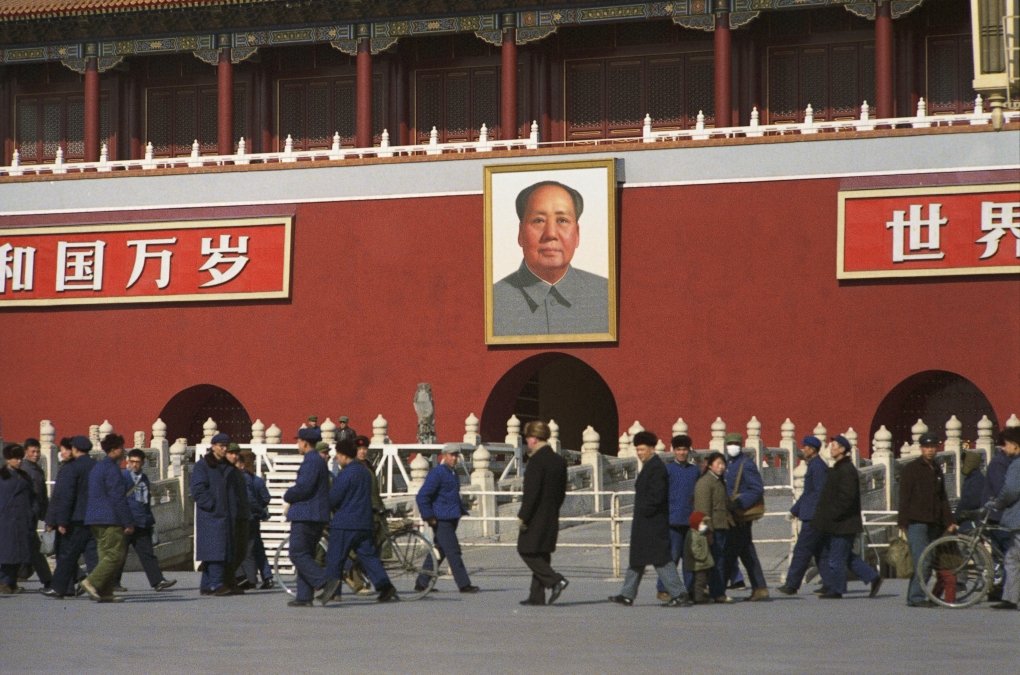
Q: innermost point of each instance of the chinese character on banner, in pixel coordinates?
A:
(80, 266)
(17, 263)
(142, 253)
(217, 257)
(996, 219)
(912, 230)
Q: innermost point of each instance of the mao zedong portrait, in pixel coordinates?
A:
(546, 294)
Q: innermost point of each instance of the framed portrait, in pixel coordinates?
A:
(550, 252)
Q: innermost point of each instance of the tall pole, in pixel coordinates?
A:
(508, 79)
(883, 61)
(723, 59)
(91, 140)
(363, 96)
(224, 99)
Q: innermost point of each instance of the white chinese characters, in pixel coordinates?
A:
(996, 220)
(80, 265)
(919, 234)
(217, 257)
(17, 263)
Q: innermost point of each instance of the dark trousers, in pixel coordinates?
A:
(838, 551)
(717, 576)
(39, 562)
(70, 547)
(543, 576)
(304, 539)
(362, 542)
(238, 548)
(445, 534)
(141, 541)
(255, 561)
(809, 545)
(9, 574)
(677, 535)
(740, 545)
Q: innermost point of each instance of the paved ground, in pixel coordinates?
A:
(180, 632)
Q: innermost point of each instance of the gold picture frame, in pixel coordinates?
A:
(553, 278)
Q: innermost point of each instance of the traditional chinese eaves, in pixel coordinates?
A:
(24, 22)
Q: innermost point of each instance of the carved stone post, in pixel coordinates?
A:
(754, 439)
(820, 432)
(513, 432)
(209, 429)
(48, 451)
(718, 441)
(471, 427)
(625, 449)
(177, 452)
(881, 454)
(273, 435)
(554, 436)
(985, 442)
(590, 456)
(161, 446)
(483, 479)
(855, 452)
(380, 431)
(419, 469)
(258, 432)
(328, 430)
(680, 427)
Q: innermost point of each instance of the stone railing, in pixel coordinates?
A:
(336, 153)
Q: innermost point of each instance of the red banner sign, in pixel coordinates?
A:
(197, 261)
(937, 231)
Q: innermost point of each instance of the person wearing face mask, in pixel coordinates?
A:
(745, 489)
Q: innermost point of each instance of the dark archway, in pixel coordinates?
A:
(554, 386)
(186, 412)
(933, 396)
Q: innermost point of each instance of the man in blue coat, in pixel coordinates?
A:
(213, 519)
(745, 489)
(308, 513)
(109, 516)
(66, 515)
(808, 541)
(350, 497)
(1007, 502)
(440, 506)
(145, 521)
(17, 517)
(683, 475)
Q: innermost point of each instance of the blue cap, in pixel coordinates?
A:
(81, 443)
(812, 441)
(310, 434)
(843, 441)
(221, 438)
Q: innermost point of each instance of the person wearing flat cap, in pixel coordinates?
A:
(66, 515)
(211, 480)
(745, 489)
(808, 544)
(924, 508)
(308, 513)
(440, 506)
(344, 430)
(838, 520)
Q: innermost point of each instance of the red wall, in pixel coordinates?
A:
(728, 306)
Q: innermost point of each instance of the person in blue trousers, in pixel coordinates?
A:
(350, 497)
(308, 513)
(66, 515)
(809, 542)
(213, 522)
(683, 475)
(440, 506)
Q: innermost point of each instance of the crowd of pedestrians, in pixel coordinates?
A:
(692, 521)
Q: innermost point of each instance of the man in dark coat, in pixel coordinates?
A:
(111, 520)
(213, 518)
(745, 489)
(240, 512)
(838, 520)
(649, 530)
(924, 509)
(66, 515)
(17, 517)
(145, 521)
(545, 486)
(809, 540)
(30, 465)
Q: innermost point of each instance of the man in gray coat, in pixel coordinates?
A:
(545, 486)
(649, 532)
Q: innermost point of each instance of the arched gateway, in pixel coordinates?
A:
(187, 411)
(933, 396)
(554, 386)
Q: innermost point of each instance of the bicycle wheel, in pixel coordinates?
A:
(959, 562)
(410, 562)
(283, 569)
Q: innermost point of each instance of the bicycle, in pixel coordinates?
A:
(403, 552)
(971, 561)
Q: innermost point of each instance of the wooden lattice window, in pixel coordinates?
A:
(457, 102)
(178, 116)
(312, 110)
(834, 79)
(949, 68)
(46, 122)
(610, 97)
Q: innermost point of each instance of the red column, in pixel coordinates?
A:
(508, 85)
(91, 109)
(225, 104)
(400, 88)
(883, 61)
(363, 112)
(723, 67)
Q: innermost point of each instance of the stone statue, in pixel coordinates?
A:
(426, 412)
